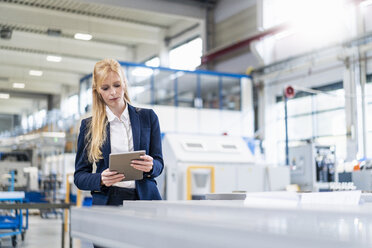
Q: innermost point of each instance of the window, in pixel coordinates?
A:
(24, 122)
(186, 56)
(316, 117)
(85, 95)
(39, 118)
(154, 62)
(70, 106)
(30, 120)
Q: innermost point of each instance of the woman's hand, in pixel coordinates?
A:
(108, 177)
(143, 165)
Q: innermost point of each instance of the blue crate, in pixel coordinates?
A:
(10, 222)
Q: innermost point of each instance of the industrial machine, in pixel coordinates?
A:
(17, 163)
(20, 179)
(39, 163)
(312, 166)
(196, 165)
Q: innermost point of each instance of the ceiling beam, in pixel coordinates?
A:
(71, 65)
(25, 94)
(170, 8)
(56, 76)
(70, 23)
(39, 87)
(62, 46)
(83, 9)
(16, 106)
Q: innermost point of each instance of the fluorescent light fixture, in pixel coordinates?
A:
(18, 85)
(80, 36)
(35, 73)
(366, 3)
(4, 96)
(52, 58)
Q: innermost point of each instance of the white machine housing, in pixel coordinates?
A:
(303, 167)
(20, 179)
(233, 162)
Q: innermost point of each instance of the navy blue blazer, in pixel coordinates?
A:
(146, 136)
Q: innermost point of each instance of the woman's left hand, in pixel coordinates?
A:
(143, 165)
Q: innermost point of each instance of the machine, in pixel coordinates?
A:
(196, 165)
(312, 166)
(17, 163)
(20, 178)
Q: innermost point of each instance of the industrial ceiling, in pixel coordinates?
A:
(32, 30)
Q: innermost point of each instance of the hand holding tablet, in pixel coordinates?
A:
(108, 178)
(121, 163)
(144, 164)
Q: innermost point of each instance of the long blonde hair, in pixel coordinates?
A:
(96, 135)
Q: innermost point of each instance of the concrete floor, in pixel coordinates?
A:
(42, 233)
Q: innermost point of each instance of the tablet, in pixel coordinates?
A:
(120, 162)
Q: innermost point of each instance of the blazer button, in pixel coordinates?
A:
(148, 175)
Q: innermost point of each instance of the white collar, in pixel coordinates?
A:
(111, 116)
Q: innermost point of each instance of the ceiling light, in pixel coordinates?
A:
(35, 73)
(4, 96)
(18, 85)
(80, 36)
(52, 58)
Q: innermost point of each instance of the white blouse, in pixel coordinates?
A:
(121, 138)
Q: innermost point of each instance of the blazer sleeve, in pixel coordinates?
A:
(155, 147)
(84, 179)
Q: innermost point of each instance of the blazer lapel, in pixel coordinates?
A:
(106, 148)
(136, 127)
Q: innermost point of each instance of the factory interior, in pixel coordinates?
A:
(265, 114)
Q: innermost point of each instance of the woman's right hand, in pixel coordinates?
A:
(108, 177)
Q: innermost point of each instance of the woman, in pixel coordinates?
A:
(116, 126)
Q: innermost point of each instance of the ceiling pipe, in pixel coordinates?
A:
(240, 44)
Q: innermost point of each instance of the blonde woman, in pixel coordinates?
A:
(116, 126)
